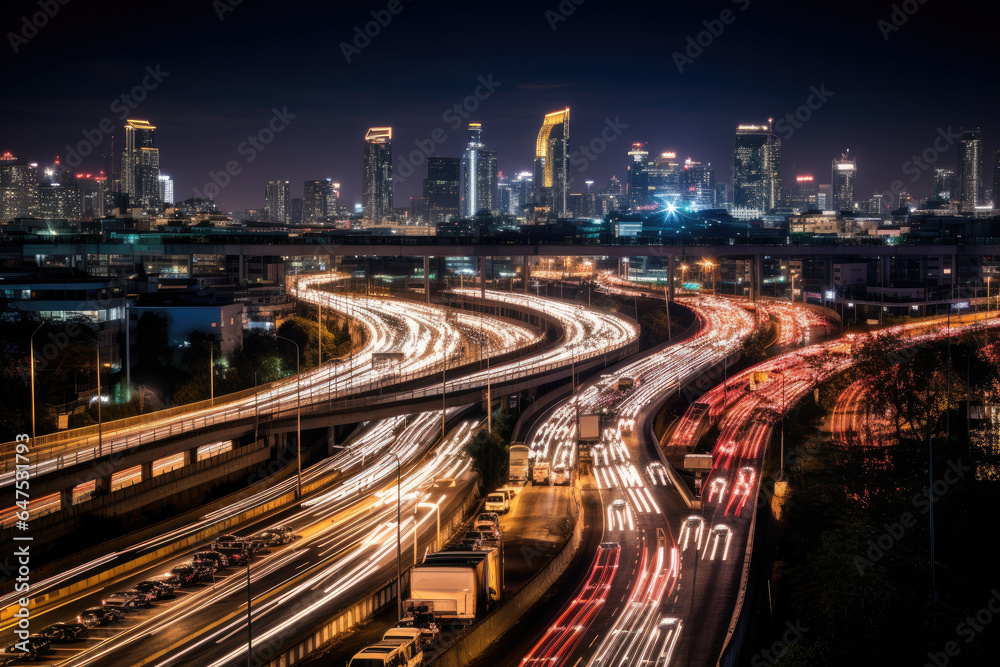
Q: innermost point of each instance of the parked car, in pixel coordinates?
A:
(190, 573)
(171, 580)
(95, 616)
(487, 520)
(126, 600)
(213, 559)
(153, 590)
(63, 633)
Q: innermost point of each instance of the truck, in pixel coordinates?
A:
(520, 464)
(588, 434)
(561, 475)
(457, 586)
(540, 474)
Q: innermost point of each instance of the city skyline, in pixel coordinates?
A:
(202, 119)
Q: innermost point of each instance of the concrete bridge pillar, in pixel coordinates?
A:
(66, 499)
(670, 279)
(331, 440)
(103, 484)
(757, 281)
(427, 279)
(482, 276)
(147, 471)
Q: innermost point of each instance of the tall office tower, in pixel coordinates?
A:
(18, 189)
(843, 173)
(756, 168)
(316, 197)
(824, 196)
(996, 180)
(804, 196)
(377, 175)
(166, 189)
(506, 200)
(441, 188)
(333, 201)
(57, 202)
(614, 199)
(141, 165)
(524, 186)
(479, 175)
(277, 201)
(637, 177)
(722, 195)
(552, 162)
(665, 179)
(295, 216)
(876, 205)
(698, 185)
(969, 183)
(944, 184)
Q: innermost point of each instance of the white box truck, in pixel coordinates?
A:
(520, 464)
(457, 585)
(540, 475)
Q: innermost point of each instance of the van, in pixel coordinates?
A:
(393, 653)
(498, 501)
(410, 637)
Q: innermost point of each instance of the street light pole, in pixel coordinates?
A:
(399, 547)
(298, 415)
(100, 436)
(249, 630)
(31, 365)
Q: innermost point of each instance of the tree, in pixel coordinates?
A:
(490, 457)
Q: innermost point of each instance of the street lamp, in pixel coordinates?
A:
(298, 414)
(711, 270)
(31, 365)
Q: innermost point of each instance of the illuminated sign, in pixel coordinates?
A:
(691, 286)
(830, 295)
(804, 179)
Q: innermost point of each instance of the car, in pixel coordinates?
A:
(497, 502)
(95, 616)
(276, 536)
(171, 580)
(618, 504)
(235, 553)
(213, 559)
(126, 600)
(190, 573)
(485, 535)
(487, 520)
(225, 539)
(153, 590)
(63, 633)
(467, 545)
(37, 646)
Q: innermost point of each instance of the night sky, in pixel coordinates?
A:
(606, 60)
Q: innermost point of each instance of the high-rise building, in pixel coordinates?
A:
(804, 196)
(295, 217)
(441, 188)
(506, 200)
(316, 197)
(277, 201)
(552, 162)
(843, 173)
(637, 177)
(479, 175)
(944, 184)
(665, 180)
(524, 188)
(18, 189)
(969, 182)
(166, 189)
(996, 180)
(697, 185)
(333, 201)
(722, 195)
(756, 168)
(57, 202)
(377, 175)
(141, 165)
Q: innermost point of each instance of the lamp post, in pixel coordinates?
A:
(399, 548)
(100, 436)
(31, 366)
(298, 415)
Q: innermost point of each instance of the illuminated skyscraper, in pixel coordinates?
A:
(277, 201)
(944, 184)
(141, 165)
(166, 189)
(843, 173)
(805, 195)
(552, 162)
(18, 189)
(479, 175)
(756, 168)
(697, 185)
(969, 184)
(316, 196)
(377, 175)
(637, 178)
(441, 188)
